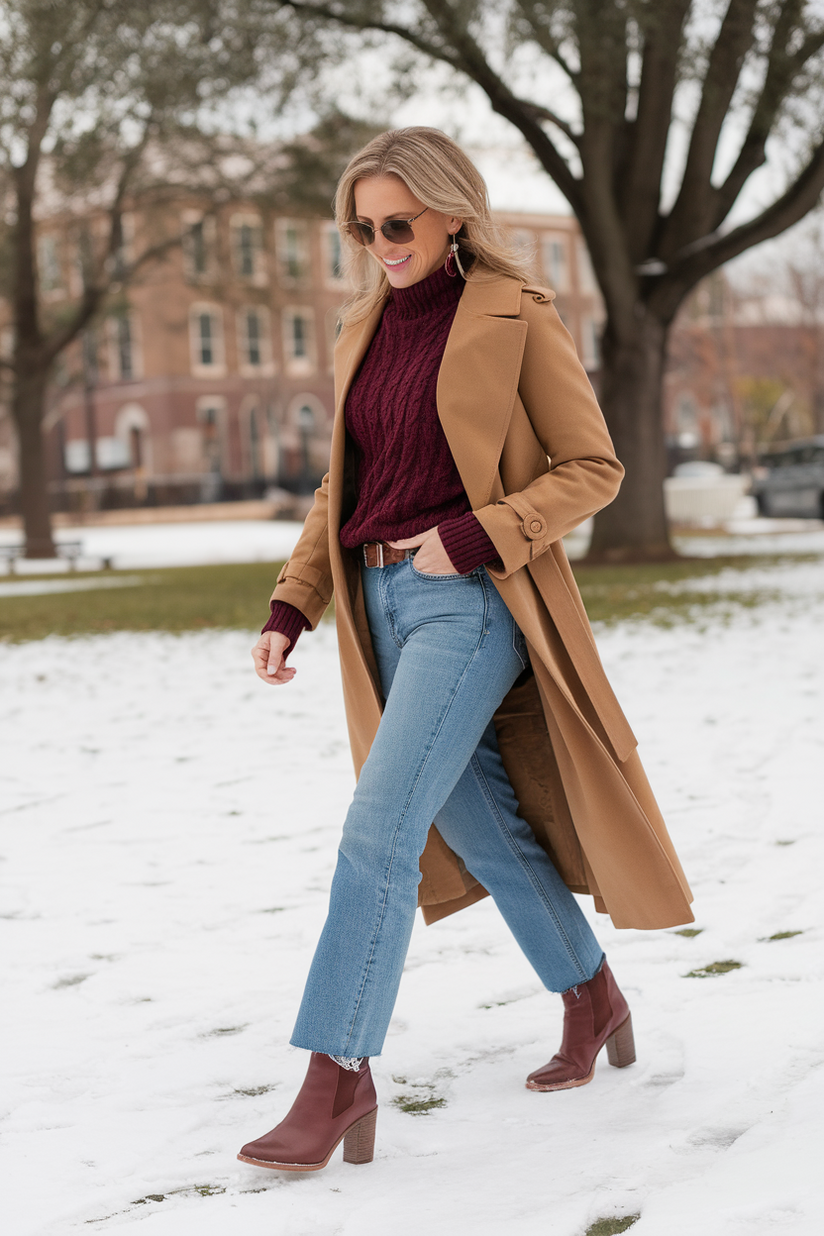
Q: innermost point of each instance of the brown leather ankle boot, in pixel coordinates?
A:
(334, 1105)
(594, 1013)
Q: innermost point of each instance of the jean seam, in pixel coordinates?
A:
(525, 865)
(516, 631)
(384, 580)
(388, 874)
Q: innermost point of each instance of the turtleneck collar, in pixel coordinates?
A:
(437, 291)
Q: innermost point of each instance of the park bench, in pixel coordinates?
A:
(70, 550)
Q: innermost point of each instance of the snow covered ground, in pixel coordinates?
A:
(168, 829)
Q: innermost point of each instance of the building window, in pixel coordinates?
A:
(254, 345)
(293, 249)
(124, 250)
(124, 358)
(198, 244)
(206, 339)
(333, 254)
(253, 356)
(555, 263)
(197, 248)
(299, 339)
(248, 248)
(206, 334)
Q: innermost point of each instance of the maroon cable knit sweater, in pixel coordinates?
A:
(406, 477)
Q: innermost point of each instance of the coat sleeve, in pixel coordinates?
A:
(584, 474)
(305, 581)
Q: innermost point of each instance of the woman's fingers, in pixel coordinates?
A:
(267, 656)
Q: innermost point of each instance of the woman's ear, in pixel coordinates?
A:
(455, 226)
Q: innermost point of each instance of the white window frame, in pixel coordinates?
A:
(299, 365)
(190, 219)
(302, 270)
(239, 221)
(264, 366)
(113, 346)
(332, 245)
(217, 367)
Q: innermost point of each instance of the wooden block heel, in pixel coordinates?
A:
(359, 1141)
(621, 1045)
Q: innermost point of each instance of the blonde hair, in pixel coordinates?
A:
(441, 176)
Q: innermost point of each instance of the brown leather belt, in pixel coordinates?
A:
(379, 554)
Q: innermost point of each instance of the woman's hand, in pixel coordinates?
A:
(431, 558)
(267, 655)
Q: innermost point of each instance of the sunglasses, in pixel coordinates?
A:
(396, 231)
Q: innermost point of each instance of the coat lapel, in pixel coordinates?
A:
(478, 380)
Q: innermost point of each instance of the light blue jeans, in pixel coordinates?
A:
(448, 651)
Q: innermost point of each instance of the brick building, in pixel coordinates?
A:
(210, 377)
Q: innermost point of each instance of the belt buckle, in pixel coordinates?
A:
(378, 546)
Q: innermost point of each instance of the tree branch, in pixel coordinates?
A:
(546, 41)
(696, 260)
(782, 67)
(543, 113)
(640, 195)
(467, 56)
(691, 215)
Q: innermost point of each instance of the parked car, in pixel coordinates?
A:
(790, 480)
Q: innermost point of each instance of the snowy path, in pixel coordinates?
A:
(168, 836)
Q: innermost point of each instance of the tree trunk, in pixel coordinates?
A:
(28, 405)
(633, 528)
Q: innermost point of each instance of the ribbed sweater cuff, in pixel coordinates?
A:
(288, 621)
(466, 542)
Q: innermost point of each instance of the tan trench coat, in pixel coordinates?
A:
(512, 396)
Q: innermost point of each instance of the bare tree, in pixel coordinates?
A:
(90, 89)
(651, 116)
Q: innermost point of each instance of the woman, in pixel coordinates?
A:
(467, 442)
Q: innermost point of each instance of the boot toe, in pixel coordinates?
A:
(558, 1074)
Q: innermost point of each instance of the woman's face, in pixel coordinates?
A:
(378, 198)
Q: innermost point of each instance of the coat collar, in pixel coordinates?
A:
(477, 383)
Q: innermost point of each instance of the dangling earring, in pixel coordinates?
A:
(452, 260)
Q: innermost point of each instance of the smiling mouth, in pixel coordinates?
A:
(398, 262)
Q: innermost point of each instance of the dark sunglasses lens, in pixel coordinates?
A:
(398, 231)
(362, 233)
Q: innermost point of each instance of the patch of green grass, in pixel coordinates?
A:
(236, 596)
(689, 932)
(417, 1107)
(175, 599)
(651, 590)
(715, 967)
(784, 935)
(611, 1226)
